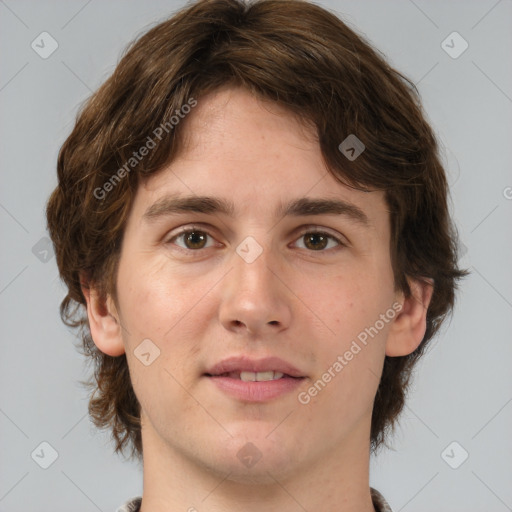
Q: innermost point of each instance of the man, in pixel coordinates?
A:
(253, 215)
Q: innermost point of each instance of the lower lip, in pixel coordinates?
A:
(256, 391)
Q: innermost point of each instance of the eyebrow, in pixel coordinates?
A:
(174, 204)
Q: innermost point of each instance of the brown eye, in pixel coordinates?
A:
(315, 241)
(193, 239)
(318, 241)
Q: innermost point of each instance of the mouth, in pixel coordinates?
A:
(247, 376)
(250, 380)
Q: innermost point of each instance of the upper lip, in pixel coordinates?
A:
(245, 364)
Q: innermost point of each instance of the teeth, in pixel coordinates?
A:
(260, 376)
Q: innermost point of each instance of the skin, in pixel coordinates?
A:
(299, 302)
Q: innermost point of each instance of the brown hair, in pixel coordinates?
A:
(287, 51)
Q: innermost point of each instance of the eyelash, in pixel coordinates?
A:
(193, 229)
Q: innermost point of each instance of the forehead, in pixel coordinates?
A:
(246, 118)
(254, 153)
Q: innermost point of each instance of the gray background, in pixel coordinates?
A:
(462, 390)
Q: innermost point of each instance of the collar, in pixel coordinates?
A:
(379, 503)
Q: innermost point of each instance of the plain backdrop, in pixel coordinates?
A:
(461, 401)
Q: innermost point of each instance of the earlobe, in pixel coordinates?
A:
(409, 326)
(103, 321)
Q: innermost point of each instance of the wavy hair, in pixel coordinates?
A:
(309, 61)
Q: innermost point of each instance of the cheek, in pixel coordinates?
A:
(160, 304)
(348, 311)
(343, 302)
(156, 299)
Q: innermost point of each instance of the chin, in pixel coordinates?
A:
(255, 459)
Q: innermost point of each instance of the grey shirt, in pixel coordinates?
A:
(379, 503)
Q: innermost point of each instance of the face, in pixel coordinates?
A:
(206, 285)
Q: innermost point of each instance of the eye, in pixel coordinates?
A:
(317, 241)
(193, 239)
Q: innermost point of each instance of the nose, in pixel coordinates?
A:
(255, 297)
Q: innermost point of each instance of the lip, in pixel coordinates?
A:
(245, 364)
(255, 391)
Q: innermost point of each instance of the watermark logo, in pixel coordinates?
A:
(147, 352)
(454, 455)
(454, 45)
(44, 45)
(249, 250)
(249, 455)
(352, 147)
(43, 250)
(44, 455)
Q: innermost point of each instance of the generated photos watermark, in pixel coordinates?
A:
(304, 397)
(101, 192)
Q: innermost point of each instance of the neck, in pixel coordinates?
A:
(337, 481)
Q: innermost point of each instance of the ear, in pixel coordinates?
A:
(103, 320)
(409, 326)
